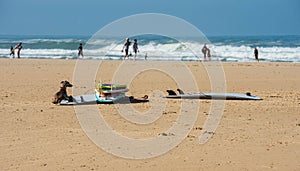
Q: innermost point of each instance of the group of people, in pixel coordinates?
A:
(12, 50)
(80, 49)
(206, 53)
(205, 50)
(125, 47)
(134, 48)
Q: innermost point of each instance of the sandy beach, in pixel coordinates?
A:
(252, 135)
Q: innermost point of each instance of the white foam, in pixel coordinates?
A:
(109, 49)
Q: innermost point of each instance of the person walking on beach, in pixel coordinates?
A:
(19, 47)
(80, 51)
(126, 47)
(135, 48)
(12, 51)
(256, 54)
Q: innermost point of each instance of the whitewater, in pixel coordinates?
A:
(157, 48)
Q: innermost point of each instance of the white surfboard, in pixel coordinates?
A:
(215, 96)
(83, 99)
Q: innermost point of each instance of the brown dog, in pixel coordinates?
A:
(62, 93)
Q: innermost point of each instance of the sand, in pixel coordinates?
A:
(252, 135)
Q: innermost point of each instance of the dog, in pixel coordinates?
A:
(62, 93)
(171, 92)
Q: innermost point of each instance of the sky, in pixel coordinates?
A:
(212, 17)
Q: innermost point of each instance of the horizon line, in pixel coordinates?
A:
(208, 35)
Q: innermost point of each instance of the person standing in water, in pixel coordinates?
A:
(19, 47)
(12, 52)
(206, 53)
(256, 54)
(135, 48)
(80, 50)
(126, 47)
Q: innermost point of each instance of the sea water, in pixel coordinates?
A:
(158, 48)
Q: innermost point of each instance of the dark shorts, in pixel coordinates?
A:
(126, 51)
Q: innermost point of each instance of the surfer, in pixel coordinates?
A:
(126, 47)
(19, 47)
(80, 51)
(135, 48)
(12, 52)
(256, 54)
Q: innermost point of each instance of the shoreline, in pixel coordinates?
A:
(140, 60)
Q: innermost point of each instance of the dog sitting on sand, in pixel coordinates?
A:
(62, 93)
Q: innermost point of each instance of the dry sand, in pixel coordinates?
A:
(252, 135)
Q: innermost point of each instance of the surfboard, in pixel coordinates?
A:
(109, 91)
(105, 86)
(106, 93)
(78, 100)
(215, 96)
(109, 99)
(93, 99)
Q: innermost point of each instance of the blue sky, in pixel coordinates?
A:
(212, 17)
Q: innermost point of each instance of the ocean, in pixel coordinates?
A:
(158, 48)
